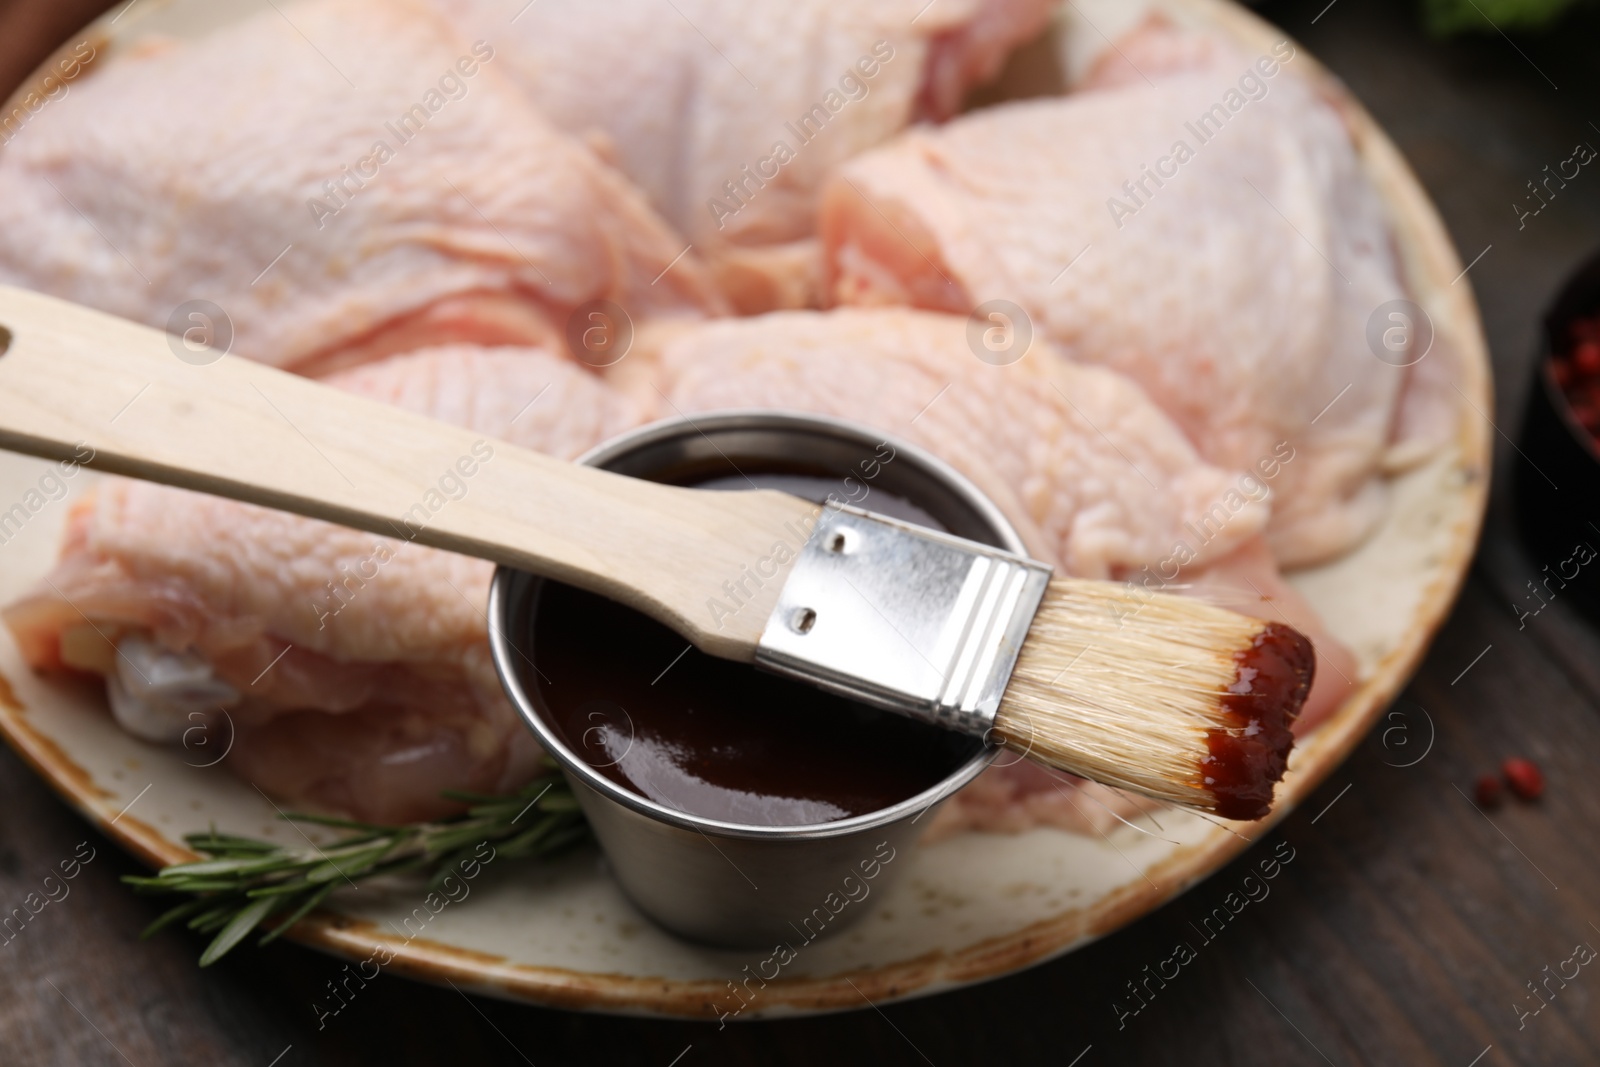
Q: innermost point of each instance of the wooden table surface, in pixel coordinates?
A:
(1406, 930)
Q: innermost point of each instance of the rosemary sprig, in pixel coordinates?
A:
(246, 882)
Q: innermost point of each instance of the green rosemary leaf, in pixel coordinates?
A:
(217, 921)
(305, 908)
(241, 924)
(232, 866)
(451, 864)
(402, 865)
(172, 915)
(351, 866)
(359, 839)
(140, 881)
(216, 913)
(278, 889)
(214, 842)
(244, 881)
(524, 843)
(199, 885)
(440, 842)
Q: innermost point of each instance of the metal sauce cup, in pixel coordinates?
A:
(723, 883)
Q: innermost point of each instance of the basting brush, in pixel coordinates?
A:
(1162, 695)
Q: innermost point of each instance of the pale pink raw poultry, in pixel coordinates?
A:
(1099, 479)
(1235, 285)
(384, 693)
(1096, 478)
(691, 95)
(245, 168)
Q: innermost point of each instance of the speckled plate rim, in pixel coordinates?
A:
(1433, 273)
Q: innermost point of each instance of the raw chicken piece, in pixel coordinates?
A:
(694, 98)
(1426, 415)
(345, 179)
(1155, 47)
(1094, 476)
(1234, 280)
(355, 668)
(1015, 795)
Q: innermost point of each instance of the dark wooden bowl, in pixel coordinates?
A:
(1557, 491)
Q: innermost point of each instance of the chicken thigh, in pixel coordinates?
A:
(354, 668)
(1096, 479)
(729, 116)
(1091, 473)
(1208, 232)
(341, 180)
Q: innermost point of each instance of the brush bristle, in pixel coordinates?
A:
(1158, 694)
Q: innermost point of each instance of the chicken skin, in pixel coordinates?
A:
(354, 668)
(730, 116)
(344, 179)
(1095, 477)
(1207, 232)
(1074, 456)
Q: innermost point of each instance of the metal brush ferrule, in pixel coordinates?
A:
(904, 618)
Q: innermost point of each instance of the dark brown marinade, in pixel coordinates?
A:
(720, 739)
(1249, 756)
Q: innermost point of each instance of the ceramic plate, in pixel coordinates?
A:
(972, 907)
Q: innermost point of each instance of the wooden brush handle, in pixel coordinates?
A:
(72, 378)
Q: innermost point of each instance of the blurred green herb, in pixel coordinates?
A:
(1486, 16)
(246, 882)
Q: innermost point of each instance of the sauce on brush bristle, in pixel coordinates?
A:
(1249, 755)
